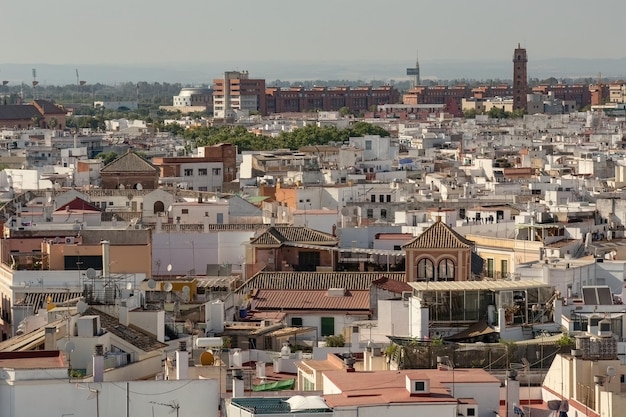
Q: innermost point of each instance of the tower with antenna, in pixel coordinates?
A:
(414, 73)
(35, 82)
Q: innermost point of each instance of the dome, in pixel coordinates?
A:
(190, 91)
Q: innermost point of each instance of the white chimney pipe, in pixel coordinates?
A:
(98, 364)
(182, 361)
(106, 258)
(238, 385)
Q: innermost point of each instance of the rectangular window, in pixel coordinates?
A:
(490, 267)
(370, 213)
(383, 213)
(185, 211)
(504, 268)
(471, 412)
(373, 198)
(397, 247)
(188, 173)
(328, 326)
(203, 172)
(381, 198)
(296, 321)
(389, 198)
(217, 171)
(220, 218)
(420, 386)
(368, 145)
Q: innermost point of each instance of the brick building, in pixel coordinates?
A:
(300, 99)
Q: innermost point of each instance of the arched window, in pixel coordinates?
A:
(425, 270)
(445, 270)
(158, 207)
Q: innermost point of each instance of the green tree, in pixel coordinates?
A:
(469, 114)
(107, 157)
(345, 111)
(335, 341)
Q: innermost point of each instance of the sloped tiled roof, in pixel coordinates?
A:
(139, 339)
(129, 162)
(439, 236)
(77, 204)
(18, 112)
(277, 235)
(310, 300)
(316, 280)
(392, 285)
(48, 107)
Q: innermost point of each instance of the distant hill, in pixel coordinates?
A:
(203, 73)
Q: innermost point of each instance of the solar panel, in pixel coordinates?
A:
(604, 296)
(589, 296)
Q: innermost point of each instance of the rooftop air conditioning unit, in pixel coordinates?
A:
(70, 240)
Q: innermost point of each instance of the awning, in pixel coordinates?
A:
(275, 386)
(477, 329)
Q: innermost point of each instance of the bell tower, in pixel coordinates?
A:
(520, 78)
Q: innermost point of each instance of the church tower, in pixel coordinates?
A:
(520, 78)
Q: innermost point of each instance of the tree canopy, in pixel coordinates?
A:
(247, 141)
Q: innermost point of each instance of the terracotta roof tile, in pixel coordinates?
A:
(77, 204)
(18, 112)
(129, 162)
(439, 235)
(311, 300)
(316, 280)
(392, 285)
(277, 235)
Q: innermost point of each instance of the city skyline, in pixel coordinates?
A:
(200, 36)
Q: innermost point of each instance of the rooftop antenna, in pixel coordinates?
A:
(174, 406)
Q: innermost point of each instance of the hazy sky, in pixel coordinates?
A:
(139, 32)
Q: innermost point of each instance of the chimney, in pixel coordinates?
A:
(105, 258)
(182, 361)
(50, 340)
(238, 386)
(334, 230)
(512, 391)
(98, 364)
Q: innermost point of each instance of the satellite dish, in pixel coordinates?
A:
(139, 187)
(69, 347)
(611, 371)
(169, 267)
(91, 273)
(168, 287)
(207, 358)
(151, 283)
(129, 285)
(186, 291)
(82, 306)
(345, 211)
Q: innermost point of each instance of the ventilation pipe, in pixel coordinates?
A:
(182, 361)
(106, 258)
(98, 364)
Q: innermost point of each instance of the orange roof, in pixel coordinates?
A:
(386, 387)
(34, 359)
(310, 300)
